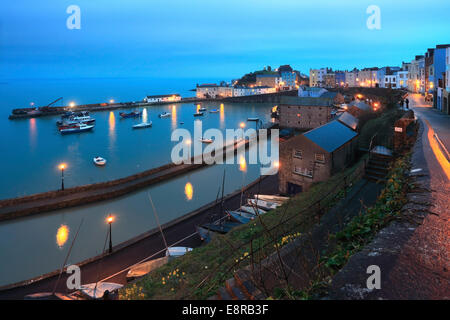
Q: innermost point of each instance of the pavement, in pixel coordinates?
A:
(113, 267)
(413, 254)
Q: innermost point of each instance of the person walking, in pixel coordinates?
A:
(407, 103)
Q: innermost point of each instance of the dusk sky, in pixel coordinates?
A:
(220, 39)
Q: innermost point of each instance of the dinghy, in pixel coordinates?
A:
(206, 140)
(271, 198)
(265, 205)
(214, 111)
(208, 230)
(252, 119)
(177, 251)
(146, 267)
(198, 114)
(253, 210)
(202, 109)
(133, 114)
(142, 125)
(239, 217)
(99, 161)
(97, 290)
(164, 115)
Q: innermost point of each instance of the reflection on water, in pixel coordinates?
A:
(33, 133)
(189, 191)
(62, 235)
(222, 116)
(174, 117)
(144, 115)
(242, 164)
(112, 131)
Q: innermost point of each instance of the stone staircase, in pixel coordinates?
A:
(240, 287)
(378, 166)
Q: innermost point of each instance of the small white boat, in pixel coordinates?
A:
(142, 125)
(177, 251)
(265, 205)
(271, 198)
(253, 210)
(76, 128)
(146, 267)
(97, 290)
(214, 111)
(206, 140)
(252, 119)
(99, 161)
(202, 109)
(164, 115)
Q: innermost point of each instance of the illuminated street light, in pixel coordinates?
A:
(110, 220)
(111, 101)
(62, 166)
(72, 104)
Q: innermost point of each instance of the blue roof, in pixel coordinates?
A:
(331, 136)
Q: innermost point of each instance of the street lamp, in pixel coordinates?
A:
(242, 125)
(62, 166)
(110, 220)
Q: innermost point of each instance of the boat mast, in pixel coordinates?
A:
(157, 221)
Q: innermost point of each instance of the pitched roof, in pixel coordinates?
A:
(349, 120)
(331, 136)
(306, 101)
(361, 105)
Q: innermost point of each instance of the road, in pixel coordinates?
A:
(113, 267)
(422, 270)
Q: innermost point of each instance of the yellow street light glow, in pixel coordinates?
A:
(188, 191)
(111, 101)
(276, 164)
(110, 219)
(62, 235)
(242, 164)
(72, 104)
(62, 166)
(242, 125)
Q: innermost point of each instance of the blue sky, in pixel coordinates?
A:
(219, 39)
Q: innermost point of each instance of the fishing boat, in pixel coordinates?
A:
(252, 119)
(97, 290)
(76, 128)
(271, 198)
(133, 114)
(142, 125)
(208, 230)
(265, 205)
(198, 114)
(72, 118)
(239, 217)
(99, 161)
(202, 109)
(206, 140)
(253, 210)
(164, 114)
(144, 268)
(214, 111)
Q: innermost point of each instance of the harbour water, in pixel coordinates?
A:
(31, 150)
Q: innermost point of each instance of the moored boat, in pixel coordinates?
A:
(252, 119)
(144, 268)
(99, 161)
(142, 125)
(97, 290)
(177, 251)
(133, 114)
(214, 111)
(271, 198)
(164, 114)
(206, 140)
(239, 217)
(76, 128)
(198, 114)
(252, 210)
(202, 109)
(265, 205)
(208, 230)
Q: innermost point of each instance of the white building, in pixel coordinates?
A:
(314, 92)
(163, 98)
(402, 79)
(350, 78)
(390, 81)
(240, 91)
(317, 77)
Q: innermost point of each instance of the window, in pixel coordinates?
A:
(303, 172)
(319, 157)
(298, 154)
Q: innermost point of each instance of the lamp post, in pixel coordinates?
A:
(110, 220)
(242, 125)
(62, 166)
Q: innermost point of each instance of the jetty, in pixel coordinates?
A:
(81, 195)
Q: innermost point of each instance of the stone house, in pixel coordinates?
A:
(315, 156)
